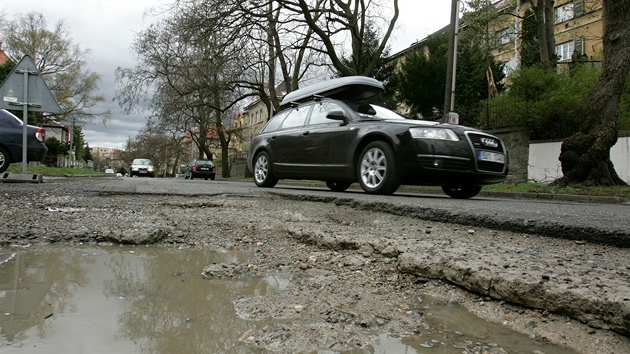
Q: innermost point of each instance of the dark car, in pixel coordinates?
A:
(11, 139)
(200, 168)
(142, 167)
(328, 133)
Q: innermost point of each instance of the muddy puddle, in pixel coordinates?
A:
(110, 299)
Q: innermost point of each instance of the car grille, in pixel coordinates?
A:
(487, 143)
(490, 166)
(477, 141)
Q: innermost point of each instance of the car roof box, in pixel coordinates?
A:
(352, 88)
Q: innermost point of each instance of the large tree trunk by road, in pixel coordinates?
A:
(585, 156)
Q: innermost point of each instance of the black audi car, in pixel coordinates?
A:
(200, 168)
(327, 132)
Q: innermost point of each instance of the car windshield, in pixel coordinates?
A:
(371, 111)
(141, 162)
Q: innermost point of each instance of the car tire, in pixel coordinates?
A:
(461, 192)
(5, 160)
(377, 172)
(212, 178)
(338, 186)
(263, 174)
(185, 177)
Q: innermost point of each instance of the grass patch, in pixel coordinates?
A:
(617, 191)
(53, 171)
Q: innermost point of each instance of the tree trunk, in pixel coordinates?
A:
(585, 156)
(543, 11)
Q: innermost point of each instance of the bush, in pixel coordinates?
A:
(55, 148)
(547, 103)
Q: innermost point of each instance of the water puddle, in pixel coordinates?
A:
(99, 299)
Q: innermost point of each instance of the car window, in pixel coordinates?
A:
(296, 117)
(371, 111)
(141, 162)
(320, 110)
(275, 121)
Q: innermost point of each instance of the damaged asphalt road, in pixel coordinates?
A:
(575, 287)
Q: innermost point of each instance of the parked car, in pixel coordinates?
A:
(142, 167)
(200, 168)
(109, 170)
(11, 141)
(327, 132)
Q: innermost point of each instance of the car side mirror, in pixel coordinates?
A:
(336, 115)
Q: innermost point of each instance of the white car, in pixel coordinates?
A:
(142, 167)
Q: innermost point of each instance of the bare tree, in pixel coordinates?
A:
(189, 78)
(337, 22)
(585, 156)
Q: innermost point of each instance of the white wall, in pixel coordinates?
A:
(543, 165)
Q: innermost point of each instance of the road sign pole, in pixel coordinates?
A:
(25, 124)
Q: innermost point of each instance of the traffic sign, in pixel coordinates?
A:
(39, 98)
(25, 88)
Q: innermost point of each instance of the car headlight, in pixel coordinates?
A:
(150, 169)
(433, 133)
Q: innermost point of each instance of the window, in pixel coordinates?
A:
(565, 50)
(321, 110)
(295, 118)
(503, 36)
(274, 123)
(564, 12)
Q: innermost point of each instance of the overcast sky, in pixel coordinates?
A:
(108, 28)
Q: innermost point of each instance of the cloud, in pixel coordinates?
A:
(108, 28)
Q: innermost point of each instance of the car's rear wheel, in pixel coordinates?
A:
(338, 186)
(376, 171)
(461, 192)
(5, 160)
(263, 175)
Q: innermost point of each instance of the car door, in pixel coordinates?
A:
(324, 142)
(285, 142)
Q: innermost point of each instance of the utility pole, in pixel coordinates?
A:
(449, 91)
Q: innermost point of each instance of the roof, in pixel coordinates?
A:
(353, 88)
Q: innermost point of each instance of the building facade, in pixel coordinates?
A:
(578, 29)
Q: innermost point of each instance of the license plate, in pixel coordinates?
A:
(490, 156)
(142, 171)
(204, 168)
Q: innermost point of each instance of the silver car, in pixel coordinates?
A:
(142, 167)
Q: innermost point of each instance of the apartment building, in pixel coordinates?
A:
(578, 29)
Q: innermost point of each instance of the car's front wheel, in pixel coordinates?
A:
(461, 192)
(376, 171)
(263, 175)
(5, 160)
(338, 186)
